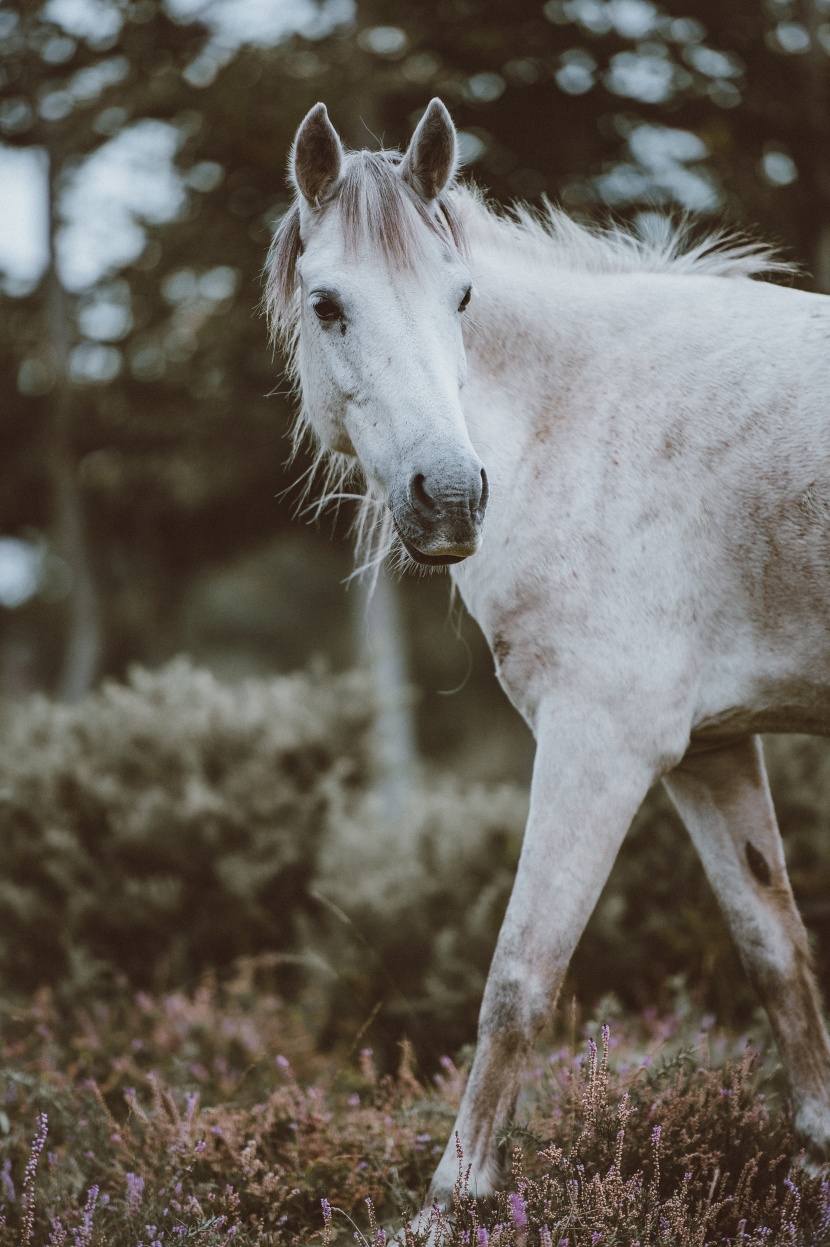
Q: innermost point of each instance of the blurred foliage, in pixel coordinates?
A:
(169, 824)
(175, 440)
(178, 822)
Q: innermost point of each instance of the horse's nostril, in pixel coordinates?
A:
(419, 495)
(485, 493)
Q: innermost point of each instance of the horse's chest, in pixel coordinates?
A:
(514, 607)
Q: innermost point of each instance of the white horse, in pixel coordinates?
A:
(653, 575)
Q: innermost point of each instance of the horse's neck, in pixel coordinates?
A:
(523, 349)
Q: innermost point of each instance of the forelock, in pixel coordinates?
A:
(377, 207)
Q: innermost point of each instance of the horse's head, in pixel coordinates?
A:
(368, 269)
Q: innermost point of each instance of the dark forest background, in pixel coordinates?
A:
(143, 419)
(146, 508)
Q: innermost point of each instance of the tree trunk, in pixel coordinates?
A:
(382, 649)
(83, 643)
(817, 117)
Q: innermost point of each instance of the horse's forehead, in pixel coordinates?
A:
(328, 241)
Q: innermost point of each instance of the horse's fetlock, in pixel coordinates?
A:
(812, 1131)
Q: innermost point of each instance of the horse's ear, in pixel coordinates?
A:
(317, 156)
(431, 158)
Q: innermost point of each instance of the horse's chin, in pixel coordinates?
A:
(429, 560)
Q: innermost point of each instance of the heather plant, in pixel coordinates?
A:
(212, 1118)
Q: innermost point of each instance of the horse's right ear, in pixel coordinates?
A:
(317, 156)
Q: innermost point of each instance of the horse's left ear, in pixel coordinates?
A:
(431, 158)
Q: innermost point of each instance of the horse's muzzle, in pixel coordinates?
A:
(439, 520)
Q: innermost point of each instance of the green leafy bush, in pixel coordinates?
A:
(418, 903)
(170, 823)
(176, 823)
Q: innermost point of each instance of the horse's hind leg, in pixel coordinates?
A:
(723, 798)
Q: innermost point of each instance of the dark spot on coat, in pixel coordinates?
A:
(501, 647)
(758, 864)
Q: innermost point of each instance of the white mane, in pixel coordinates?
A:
(550, 235)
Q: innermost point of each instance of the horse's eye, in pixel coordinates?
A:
(326, 310)
(462, 307)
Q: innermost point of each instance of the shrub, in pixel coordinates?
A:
(177, 822)
(421, 902)
(170, 823)
(417, 907)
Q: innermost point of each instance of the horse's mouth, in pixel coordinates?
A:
(428, 560)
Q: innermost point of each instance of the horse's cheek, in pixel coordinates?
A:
(325, 404)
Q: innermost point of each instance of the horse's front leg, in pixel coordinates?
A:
(724, 800)
(587, 786)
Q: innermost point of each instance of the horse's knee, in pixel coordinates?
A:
(512, 1013)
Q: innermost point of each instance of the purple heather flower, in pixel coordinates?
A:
(28, 1198)
(482, 1237)
(135, 1190)
(518, 1211)
(83, 1235)
(57, 1234)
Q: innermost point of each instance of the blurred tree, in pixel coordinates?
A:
(171, 448)
(53, 77)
